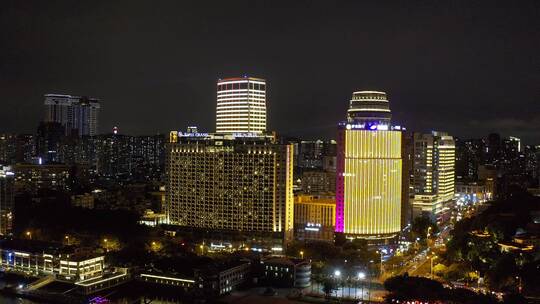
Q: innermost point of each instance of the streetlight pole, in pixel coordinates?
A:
(431, 269)
(361, 277)
(337, 275)
(381, 265)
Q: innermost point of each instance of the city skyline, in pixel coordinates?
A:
(270, 151)
(458, 77)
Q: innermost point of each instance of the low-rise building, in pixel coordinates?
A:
(474, 191)
(184, 282)
(222, 278)
(285, 272)
(215, 279)
(152, 219)
(42, 258)
(314, 217)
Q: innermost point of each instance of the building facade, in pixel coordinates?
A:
(241, 105)
(78, 115)
(40, 258)
(318, 182)
(284, 272)
(31, 178)
(223, 182)
(314, 217)
(434, 174)
(369, 170)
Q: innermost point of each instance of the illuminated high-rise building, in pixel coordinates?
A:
(434, 174)
(369, 170)
(225, 182)
(241, 105)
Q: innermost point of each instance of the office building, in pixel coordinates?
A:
(148, 156)
(17, 148)
(78, 115)
(215, 278)
(285, 272)
(230, 182)
(241, 105)
(31, 178)
(369, 170)
(8, 145)
(434, 174)
(49, 141)
(316, 154)
(6, 199)
(318, 182)
(314, 217)
(470, 154)
(114, 155)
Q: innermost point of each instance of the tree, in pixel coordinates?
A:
(421, 225)
(328, 286)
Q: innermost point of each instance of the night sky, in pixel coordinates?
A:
(466, 67)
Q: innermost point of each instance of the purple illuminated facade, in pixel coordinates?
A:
(340, 168)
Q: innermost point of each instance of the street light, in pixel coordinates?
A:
(361, 277)
(302, 254)
(29, 234)
(337, 275)
(381, 270)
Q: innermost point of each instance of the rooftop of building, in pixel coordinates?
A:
(73, 253)
(367, 92)
(314, 199)
(221, 80)
(40, 166)
(223, 265)
(226, 138)
(31, 246)
(83, 98)
(284, 261)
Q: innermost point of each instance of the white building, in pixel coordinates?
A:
(241, 105)
(75, 113)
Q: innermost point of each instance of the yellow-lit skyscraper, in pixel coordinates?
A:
(369, 165)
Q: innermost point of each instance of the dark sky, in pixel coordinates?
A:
(466, 67)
